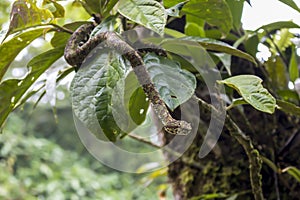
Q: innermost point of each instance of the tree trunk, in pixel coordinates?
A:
(225, 170)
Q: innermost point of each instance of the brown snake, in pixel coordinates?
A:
(80, 45)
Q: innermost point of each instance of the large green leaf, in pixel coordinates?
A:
(252, 91)
(10, 49)
(148, 13)
(12, 90)
(97, 92)
(291, 3)
(214, 12)
(174, 84)
(25, 14)
(214, 45)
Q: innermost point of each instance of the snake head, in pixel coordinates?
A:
(178, 127)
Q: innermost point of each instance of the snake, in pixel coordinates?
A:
(80, 44)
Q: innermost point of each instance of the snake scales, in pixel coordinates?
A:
(80, 45)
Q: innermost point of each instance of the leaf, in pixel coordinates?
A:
(111, 23)
(10, 49)
(251, 45)
(148, 13)
(12, 90)
(109, 6)
(293, 171)
(214, 12)
(293, 66)
(194, 26)
(278, 25)
(174, 33)
(25, 14)
(56, 9)
(215, 45)
(288, 107)
(93, 101)
(251, 89)
(277, 72)
(174, 84)
(291, 3)
(135, 99)
(226, 60)
(92, 6)
(236, 8)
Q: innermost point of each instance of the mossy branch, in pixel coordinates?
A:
(255, 161)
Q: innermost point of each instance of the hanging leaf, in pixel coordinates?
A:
(93, 101)
(175, 85)
(251, 89)
(12, 90)
(293, 66)
(25, 14)
(148, 13)
(10, 49)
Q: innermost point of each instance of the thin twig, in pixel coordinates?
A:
(140, 139)
(62, 29)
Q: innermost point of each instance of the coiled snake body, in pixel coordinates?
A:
(80, 45)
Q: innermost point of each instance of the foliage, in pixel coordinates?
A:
(101, 85)
(33, 167)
